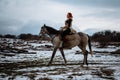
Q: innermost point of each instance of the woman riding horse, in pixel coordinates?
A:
(68, 24)
(80, 39)
(66, 30)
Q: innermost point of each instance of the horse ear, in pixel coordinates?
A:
(44, 25)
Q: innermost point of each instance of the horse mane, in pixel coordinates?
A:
(52, 30)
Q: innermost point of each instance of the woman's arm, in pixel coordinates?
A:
(68, 23)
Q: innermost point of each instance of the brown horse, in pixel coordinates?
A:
(78, 39)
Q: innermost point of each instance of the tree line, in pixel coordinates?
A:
(106, 36)
(21, 36)
(102, 36)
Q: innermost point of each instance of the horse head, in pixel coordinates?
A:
(43, 30)
(48, 30)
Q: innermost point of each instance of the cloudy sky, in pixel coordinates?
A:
(27, 16)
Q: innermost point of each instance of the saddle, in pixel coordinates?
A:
(72, 30)
(70, 36)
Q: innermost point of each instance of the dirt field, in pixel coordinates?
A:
(31, 65)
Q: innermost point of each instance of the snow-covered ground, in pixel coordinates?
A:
(32, 65)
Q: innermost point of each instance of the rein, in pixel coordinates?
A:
(52, 30)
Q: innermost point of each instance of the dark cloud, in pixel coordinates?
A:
(11, 26)
(27, 16)
(93, 3)
(32, 27)
(105, 13)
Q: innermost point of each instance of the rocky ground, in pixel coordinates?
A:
(27, 60)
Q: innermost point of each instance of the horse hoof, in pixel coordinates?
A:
(87, 64)
(84, 65)
(81, 65)
(48, 64)
(65, 64)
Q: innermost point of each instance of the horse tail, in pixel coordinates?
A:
(89, 45)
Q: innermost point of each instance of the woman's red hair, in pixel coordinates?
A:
(70, 15)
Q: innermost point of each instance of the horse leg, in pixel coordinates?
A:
(61, 50)
(85, 57)
(53, 54)
(85, 52)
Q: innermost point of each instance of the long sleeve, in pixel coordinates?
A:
(68, 22)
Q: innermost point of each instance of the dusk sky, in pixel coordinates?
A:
(89, 16)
